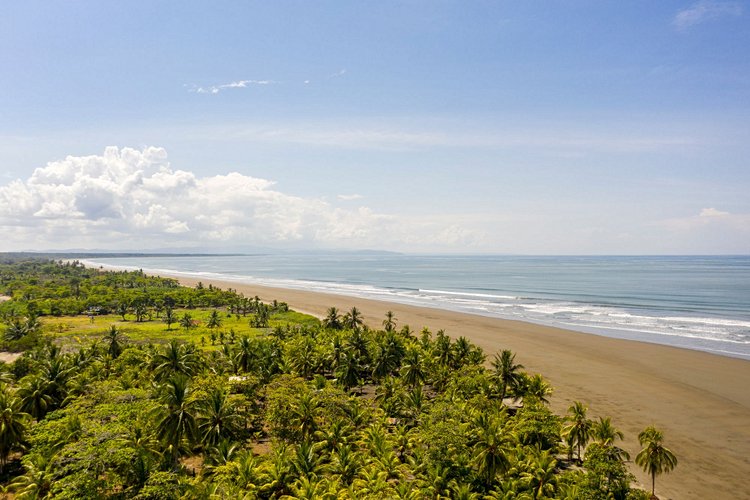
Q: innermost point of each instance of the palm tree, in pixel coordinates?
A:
(12, 423)
(169, 317)
(507, 372)
(214, 321)
(353, 319)
(346, 462)
(390, 352)
(442, 349)
(37, 480)
(306, 461)
(491, 447)
(412, 370)
(654, 457)
(35, 399)
(578, 431)
(347, 372)
(389, 323)
(332, 319)
(175, 417)
(186, 321)
(246, 351)
(18, 328)
(57, 370)
(114, 338)
(217, 417)
(176, 358)
(605, 434)
(535, 387)
(461, 350)
(541, 477)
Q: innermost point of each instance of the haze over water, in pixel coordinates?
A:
(695, 302)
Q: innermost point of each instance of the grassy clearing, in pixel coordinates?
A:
(73, 331)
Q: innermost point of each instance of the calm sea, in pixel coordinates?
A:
(693, 302)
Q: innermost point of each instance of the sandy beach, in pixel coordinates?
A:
(701, 401)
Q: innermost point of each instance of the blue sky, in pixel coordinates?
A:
(423, 126)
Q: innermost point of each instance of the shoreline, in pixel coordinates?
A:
(621, 332)
(700, 400)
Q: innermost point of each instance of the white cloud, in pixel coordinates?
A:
(337, 74)
(349, 197)
(239, 84)
(130, 199)
(703, 11)
(712, 212)
(737, 224)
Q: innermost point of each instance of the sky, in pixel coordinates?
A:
(526, 127)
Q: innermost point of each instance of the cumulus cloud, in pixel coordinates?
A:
(705, 10)
(131, 199)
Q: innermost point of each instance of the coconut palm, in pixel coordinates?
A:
(412, 369)
(541, 477)
(175, 416)
(245, 353)
(186, 321)
(654, 457)
(169, 317)
(461, 351)
(357, 344)
(35, 399)
(214, 321)
(332, 319)
(217, 417)
(578, 430)
(57, 370)
(176, 358)
(490, 452)
(346, 463)
(347, 372)
(18, 328)
(506, 371)
(353, 319)
(114, 340)
(388, 355)
(37, 479)
(389, 323)
(306, 461)
(605, 434)
(534, 387)
(442, 350)
(12, 423)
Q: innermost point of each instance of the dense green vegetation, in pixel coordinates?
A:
(130, 386)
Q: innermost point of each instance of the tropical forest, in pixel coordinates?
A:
(116, 384)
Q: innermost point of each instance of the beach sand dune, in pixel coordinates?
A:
(701, 401)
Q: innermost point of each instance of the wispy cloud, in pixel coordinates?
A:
(350, 197)
(388, 137)
(337, 74)
(239, 84)
(705, 10)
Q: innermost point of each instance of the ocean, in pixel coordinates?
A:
(694, 302)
